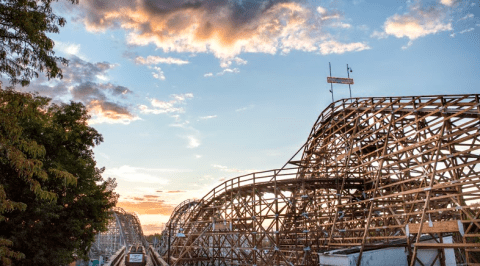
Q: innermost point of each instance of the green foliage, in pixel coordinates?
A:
(53, 199)
(25, 47)
(150, 238)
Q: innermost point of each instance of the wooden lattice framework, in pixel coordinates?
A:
(124, 230)
(375, 172)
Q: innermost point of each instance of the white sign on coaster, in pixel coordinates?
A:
(135, 258)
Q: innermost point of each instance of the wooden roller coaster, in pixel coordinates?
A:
(374, 173)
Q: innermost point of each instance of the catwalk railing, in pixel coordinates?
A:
(375, 172)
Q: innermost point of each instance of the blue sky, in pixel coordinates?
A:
(187, 93)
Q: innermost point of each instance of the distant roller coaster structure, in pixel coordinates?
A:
(124, 230)
(375, 173)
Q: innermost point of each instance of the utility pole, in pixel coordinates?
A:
(331, 84)
(348, 74)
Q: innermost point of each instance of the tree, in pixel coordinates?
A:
(150, 238)
(53, 200)
(25, 47)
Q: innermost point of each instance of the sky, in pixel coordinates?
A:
(190, 93)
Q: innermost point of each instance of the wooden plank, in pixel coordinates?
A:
(339, 80)
(220, 226)
(446, 245)
(437, 227)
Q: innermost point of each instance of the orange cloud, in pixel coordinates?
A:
(109, 112)
(151, 196)
(176, 191)
(137, 198)
(146, 207)
(224, 28)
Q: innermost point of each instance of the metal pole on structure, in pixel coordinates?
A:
(169, 233)
(348, 73)
(331, 84)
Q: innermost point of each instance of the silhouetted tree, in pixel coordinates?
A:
(53, 199)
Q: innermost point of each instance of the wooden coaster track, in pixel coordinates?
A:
(375, 172)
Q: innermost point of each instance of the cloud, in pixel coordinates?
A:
(228, 70)
(468, 16)
(193, 142)
(231, 170)
(67, 48)
(223, 72)
(333, 47)
(417, 22)
(207, 117)
(86, 82)
(225, 63)
(158, 74)
(379, 35)
(155, 60)
(321, 10)
(138, 198)
(141, 175)
(182, 97)
(410, 43)
(166, 107)
(151, 196)
(467, 30)
(330, 16)
(175, 191)
(341, 25)
(183, 124)
(109, 112)
(147, 207)
(415, 26)
(152, 61)
(224, 28)
(448, 2)
(174, 108)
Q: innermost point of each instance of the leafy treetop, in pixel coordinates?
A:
(53, 199)
(25, 47)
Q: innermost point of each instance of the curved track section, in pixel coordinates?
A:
(175, 225)
(124, 229)
(375, 172)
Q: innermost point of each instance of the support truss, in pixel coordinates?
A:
(375, 172)
(124, 229)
